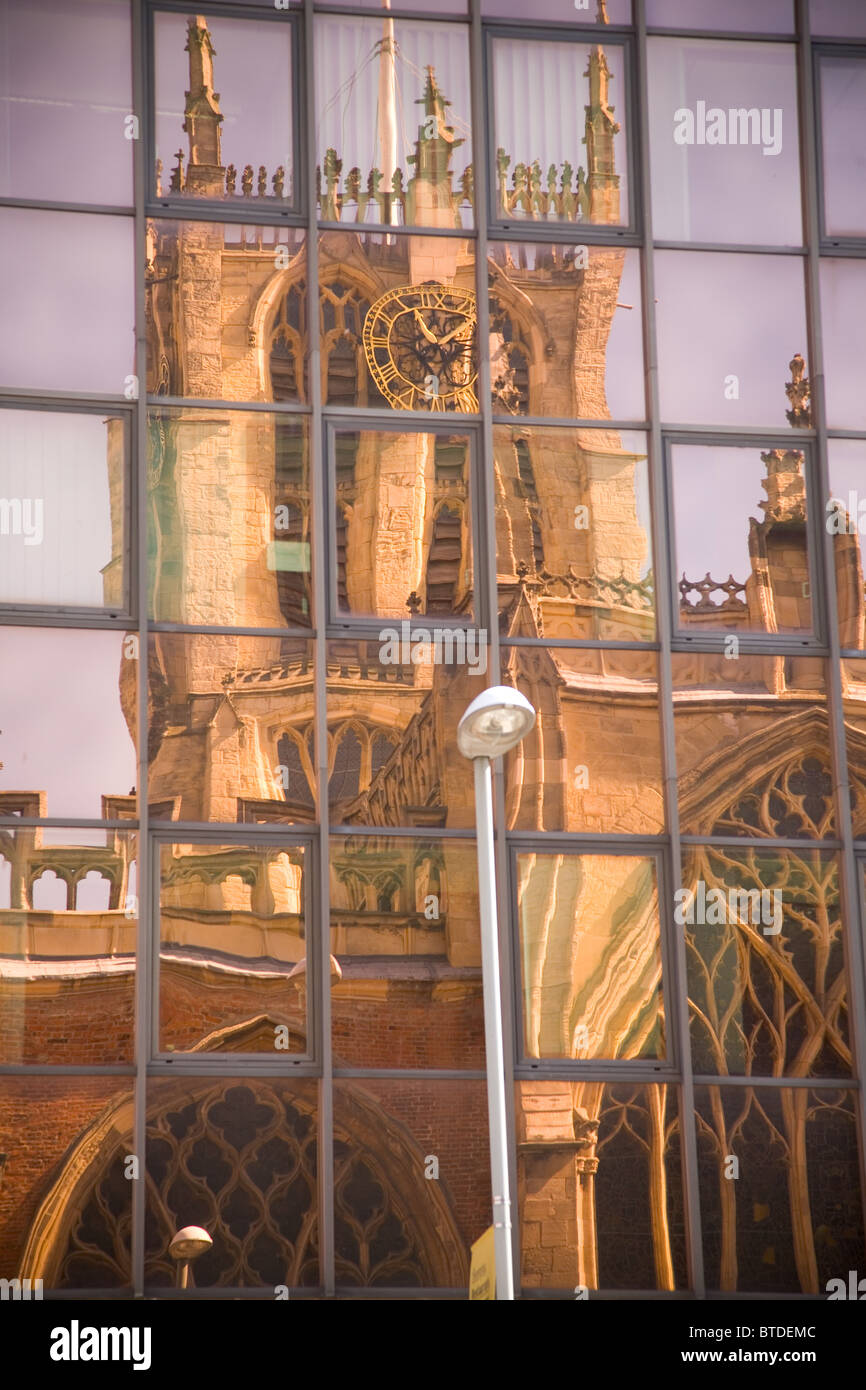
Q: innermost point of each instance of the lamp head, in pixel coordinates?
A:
(189, 1243)
(495, 722)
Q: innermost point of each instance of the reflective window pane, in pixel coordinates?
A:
(545, 93)
(854, 697)
(238, 332)
(411, 1182)
(843, 133)
(770, 17)
(234, 143)
(66, 1208)
(593, 760)
(600, 1188)
(568, 11)
(69, 701)
(753, 746)
(231, 728)
(712, 371)
(843, 292)
(573, 533)
(230, 518)
(398, 318)
(402, 539)
(793, 1219)
(68, 929)
(566, 331)
(63, 509)
(392, 732)
(233, 968)
(66, 283)
(845, 18)
(756, 573)
(393, 128)
(590, 953)
(236, 1156)
(406, 953)
(65, 101)
(845, 521)
(724, 141)
(765, 962)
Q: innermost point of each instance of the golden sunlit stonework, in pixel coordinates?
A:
(231, 741)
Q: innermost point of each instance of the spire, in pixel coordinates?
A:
(602, 180)
(202, 114)
(388, 109)
(798, 391)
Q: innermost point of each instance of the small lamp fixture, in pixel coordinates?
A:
(495, 722)
(186, 1246)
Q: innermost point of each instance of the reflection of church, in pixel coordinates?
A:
(231, 740)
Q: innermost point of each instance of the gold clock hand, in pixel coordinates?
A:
(465, 328)
(431, 337)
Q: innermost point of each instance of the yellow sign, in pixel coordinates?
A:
(482, 1274)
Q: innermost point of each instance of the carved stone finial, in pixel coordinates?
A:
(413, 603)
(798, 391)
(176, 184)
(278, 181)
(263, 182)
(231, 179)
(247, 181)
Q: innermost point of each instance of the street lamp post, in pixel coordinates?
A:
(495, 722)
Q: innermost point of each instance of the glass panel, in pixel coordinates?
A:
(566, 331)
(846, 522)
(573, 533)
(234, 143)
(593, 760)
(792, 1221)
(63, 523)
(66, 1210)
(711, 370)
(65, 102)
(544, 93)
(380, 157)
(406, 963)
(843, 291)
(590, 953)
(66, 283)
(441, 7)
(830, 17)
(854, 697)
(843, 133)
(232, 961)
(724, 139)
(753, 746)
(569, 11)
(231, 728)
(229, 517)
(770, 17)
(68, 927)
(392, 734)
(226, 311)
(411, 1182)
(403, 533)
(765, 962)
(70, 702)
(238, 1158)
(757, 574)
(398, 321)
(600, 1186)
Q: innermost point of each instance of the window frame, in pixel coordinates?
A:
(831, 243)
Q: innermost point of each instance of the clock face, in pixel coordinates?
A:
(420, 341)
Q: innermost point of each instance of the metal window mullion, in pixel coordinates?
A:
(321, 529)
(147, 910)
(849, 884)
(676, 997)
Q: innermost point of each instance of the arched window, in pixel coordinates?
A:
(443, 564)
(526, 475)
(287, 346)
(345, 779)
(296, 787)
(509, 363)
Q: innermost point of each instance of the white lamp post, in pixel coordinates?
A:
(495, 722)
